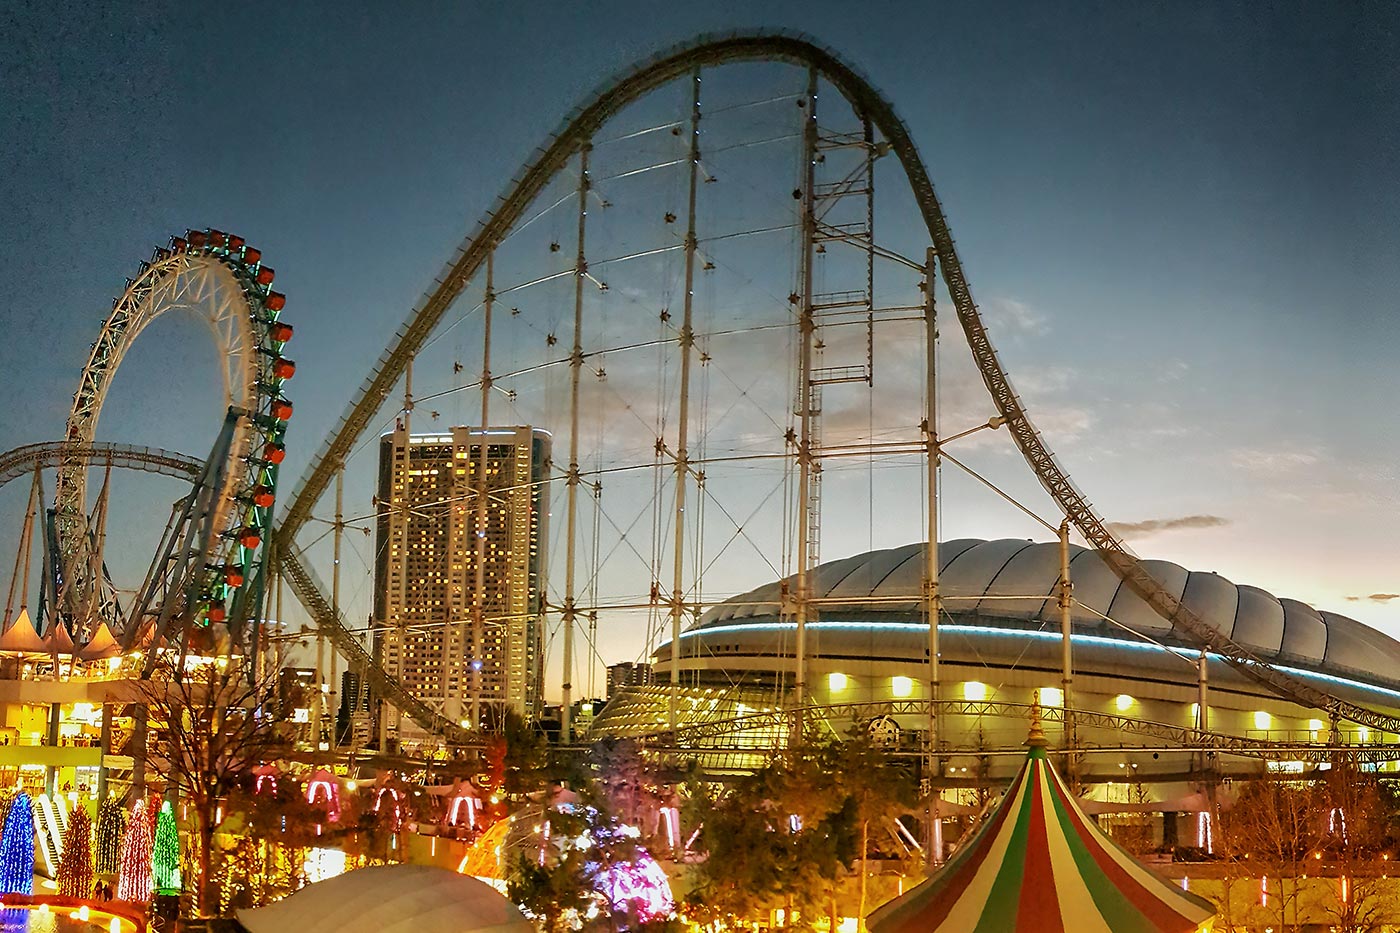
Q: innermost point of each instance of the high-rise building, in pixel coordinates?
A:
(459, 647)
(628, 674)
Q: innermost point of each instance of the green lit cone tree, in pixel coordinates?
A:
(75, 875)
(165, 853)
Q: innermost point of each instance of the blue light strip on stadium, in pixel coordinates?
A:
(1100, 640)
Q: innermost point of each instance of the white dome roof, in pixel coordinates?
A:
(391, 899)
(976, 578)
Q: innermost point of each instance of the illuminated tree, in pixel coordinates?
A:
(75, 867)
(17, 848)
(208, 733)
(1356, 839)
(165, 852)
(111, 826)
(134, 876)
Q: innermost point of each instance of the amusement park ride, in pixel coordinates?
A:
(222, 549)
(209, 575)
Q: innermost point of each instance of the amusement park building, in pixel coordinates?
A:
(426, 573)
(1000, 642)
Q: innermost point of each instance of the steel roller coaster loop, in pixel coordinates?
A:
(221, 559)
(573, 137)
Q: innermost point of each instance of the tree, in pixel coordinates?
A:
(1271, 827)
(782, 837)
(1357, 813)
(134, 877)
(878, 790)
(75, 867)
(111, 825)
(211, 726)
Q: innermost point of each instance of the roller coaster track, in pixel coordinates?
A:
(309, 591)
(671, 65)
(51, 454)
(779, 723)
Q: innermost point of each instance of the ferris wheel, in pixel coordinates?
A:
(209, 569)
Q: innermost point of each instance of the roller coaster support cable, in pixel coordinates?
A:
(674, 64)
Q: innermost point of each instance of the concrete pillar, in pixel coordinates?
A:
(138, 751)
(104, 745)
(51, 740)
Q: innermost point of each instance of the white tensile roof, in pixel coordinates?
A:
(391, 899)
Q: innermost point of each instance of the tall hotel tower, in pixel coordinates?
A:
(463, 636)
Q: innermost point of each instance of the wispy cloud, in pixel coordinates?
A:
(1260, 460)
(1006, 316)
(1154, 525)
(1375, 597)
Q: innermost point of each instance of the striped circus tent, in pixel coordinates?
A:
(1039, 864)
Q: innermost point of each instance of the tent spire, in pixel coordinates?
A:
(1036, 737)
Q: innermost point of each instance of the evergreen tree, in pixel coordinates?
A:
(17, 847)
(134, 879)
(165, 852)
(111, 826)
(75, 867)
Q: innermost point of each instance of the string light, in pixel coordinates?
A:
(17, 848)
(166, 852)
(134, 879)
(111, 826)
(75, 866)
(323, 785)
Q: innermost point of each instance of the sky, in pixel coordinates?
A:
(1178, 218)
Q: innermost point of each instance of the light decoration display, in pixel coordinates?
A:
(635, 888)
(266, 780)
(111, 826)
(323, 786)
(462, 803)
(75, 865)
(396, 816)
(321, 864)
(17, 847)
(134, 876)
(165, 852)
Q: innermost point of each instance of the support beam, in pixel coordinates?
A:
(1066, 603)
(682, 465)
(571, 493)
(807, 327)
(479, 491)
(933, 602)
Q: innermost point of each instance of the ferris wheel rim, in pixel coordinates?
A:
(223, 281)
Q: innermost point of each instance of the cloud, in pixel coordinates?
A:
(1007, 316)
(1153, 525)
(1258, 460)
(1375, 597)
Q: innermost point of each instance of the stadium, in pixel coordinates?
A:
(1137, 684)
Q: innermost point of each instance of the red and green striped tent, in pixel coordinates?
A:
(1039, 864)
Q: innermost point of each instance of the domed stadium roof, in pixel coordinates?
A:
(992, 580)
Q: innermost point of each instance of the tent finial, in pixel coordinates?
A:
(1036, 737)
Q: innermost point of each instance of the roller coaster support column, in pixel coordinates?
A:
(807, 326)
(566, 711)
(334, 683)
(1066, 601)
(933, 601)
(686, 342)
(479, 545)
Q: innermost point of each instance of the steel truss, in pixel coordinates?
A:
(218, 277)
(869, 104)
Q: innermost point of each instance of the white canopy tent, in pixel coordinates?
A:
(391, 899)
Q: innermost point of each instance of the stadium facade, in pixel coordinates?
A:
(1000, 643)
